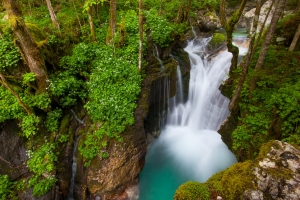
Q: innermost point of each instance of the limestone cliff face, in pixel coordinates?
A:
(249, 16)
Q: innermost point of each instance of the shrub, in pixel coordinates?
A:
(5, 185)
(192, 190)
(160, 28)
(41, 163)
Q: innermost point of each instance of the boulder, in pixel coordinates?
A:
(207, 21)
(249, 16)
(274, 174)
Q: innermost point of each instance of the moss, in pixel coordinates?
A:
(217, 40)
(38, 34)
(232, 182)
(192, 190)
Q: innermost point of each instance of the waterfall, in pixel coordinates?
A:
(189, 147)
(74, 167)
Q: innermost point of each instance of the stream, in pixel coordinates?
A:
(189, 147)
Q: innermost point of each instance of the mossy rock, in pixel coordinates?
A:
(233, 182)
(192, 191)
(217, 40)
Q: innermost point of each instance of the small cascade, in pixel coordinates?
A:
(74, 167)
(75, 116)
(189, 147)
(194, 32)
(156, 55)
(162, 106)
(74, 158)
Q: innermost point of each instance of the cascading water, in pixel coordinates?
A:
(189, 147)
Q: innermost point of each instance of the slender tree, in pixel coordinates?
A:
(183, 11)
(268, 38)
(92, 26)
(27, 46)
(297, 34)
(229, 26)
(52, 14)
(295, 39)
(263, 26)
(249, 56)
(140, 34)
(112, 21)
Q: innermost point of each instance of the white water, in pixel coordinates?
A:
(189, 147)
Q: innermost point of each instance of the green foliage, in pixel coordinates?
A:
(217, 40)
(113, 86)
(270, 111)
(5, 187)
(192, 190)
(28, 77)
(287, 27)
(9, 106)
(286, 105)
(63, 138)
(41, 163)
(52, 121)
(41, 101)
(29, 125)
(67, 87)
(90, 3)
(9, 54)
(161, 29)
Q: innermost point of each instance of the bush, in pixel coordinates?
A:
(9, 54)
(41, 163)
(5, 185)
(160, 28)
(191, 191)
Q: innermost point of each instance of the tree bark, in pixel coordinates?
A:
(140, 34)
(52, 14)
(112, 21)
(229, 26)
(248, 58)
(268, 38)
(183, 11)
(263, 26)
(92, 27)
(295, 39)
(6, 84)
(27, 44)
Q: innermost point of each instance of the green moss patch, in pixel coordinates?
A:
(192, 190)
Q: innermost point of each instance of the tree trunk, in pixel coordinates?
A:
(183, 11)
(52, 14)
(268, 38)
(6, 84)
(263, 26)
(248, 58)
(295, 39)
(112, 21)
(229, 27)
(141, 34)
(92, 27)
(27, 44)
